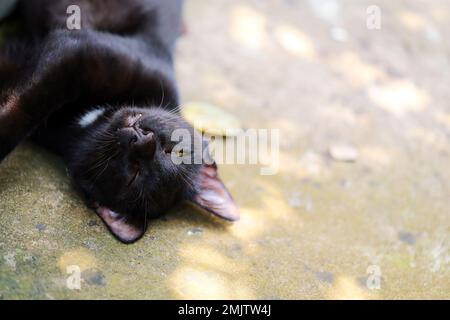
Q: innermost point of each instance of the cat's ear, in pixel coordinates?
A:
(213, 196)
(122, 228)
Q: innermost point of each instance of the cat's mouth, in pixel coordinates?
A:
(134, 177)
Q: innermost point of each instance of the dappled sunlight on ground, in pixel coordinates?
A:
(295, 42)
(437, 140)
(347, 288)
(248, 27)
(443, 118)
(205, 273)
(358, 72)
(440, 14)
(376, 155)
(80, 257)
(193, 283)
(413, 21)
(251, 224)
(272, 209)
(399, 97)
(339, 113)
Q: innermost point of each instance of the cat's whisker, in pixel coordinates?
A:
(183, 174)
(104, 165)
(163, 94)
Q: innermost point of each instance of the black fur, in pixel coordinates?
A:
(121, 60)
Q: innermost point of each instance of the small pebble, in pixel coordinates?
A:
(89, 244)
(41, 227)
(407, 237)
(30, 259)
(94, 277)
(10, 260)
(296, 201)
(325, 276)
(92, 223)
(195, 231)
(343, 152)
(345, 183)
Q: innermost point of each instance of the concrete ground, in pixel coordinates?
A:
(377, 227)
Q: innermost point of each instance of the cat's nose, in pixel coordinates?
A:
(127, 136)
(141, 143)
(145, 145)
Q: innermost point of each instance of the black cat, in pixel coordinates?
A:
(104, 98)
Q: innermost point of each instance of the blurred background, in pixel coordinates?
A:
(360, 207)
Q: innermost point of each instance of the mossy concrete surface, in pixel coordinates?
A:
(373, 228)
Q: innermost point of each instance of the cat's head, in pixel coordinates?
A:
(134, 164)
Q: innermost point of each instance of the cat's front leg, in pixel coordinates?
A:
(27, 103)
(10, 71)
(22, 111)
(8, 115)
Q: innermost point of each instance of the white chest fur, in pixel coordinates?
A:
(90, 117)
